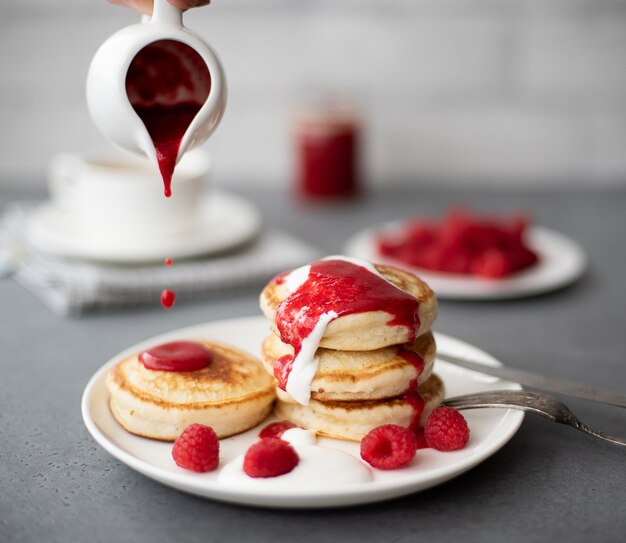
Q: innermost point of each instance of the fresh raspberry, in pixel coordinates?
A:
(276, 429)
(389, 447)
(463, 243)
(197, 448)
(270, 458)
(494, 264)
(446, 430)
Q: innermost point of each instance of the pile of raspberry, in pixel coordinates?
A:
(386, 447)
(462, 243)
(392, 447)
(198, 449)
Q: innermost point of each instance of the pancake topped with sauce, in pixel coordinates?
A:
(362, 330)
(231, 394)
(351, 347)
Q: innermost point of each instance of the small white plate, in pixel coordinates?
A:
(561, 262)
(490, 430)
(226, 221)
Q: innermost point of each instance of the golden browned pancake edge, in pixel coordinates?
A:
(233, 394)
(351, 421)
(358, 375)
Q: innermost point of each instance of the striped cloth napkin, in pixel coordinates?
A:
(73, 287)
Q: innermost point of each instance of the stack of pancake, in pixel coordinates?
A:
(367, 370)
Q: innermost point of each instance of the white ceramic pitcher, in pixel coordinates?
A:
(107, 99)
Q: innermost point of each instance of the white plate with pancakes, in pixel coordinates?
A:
(561, 262)
(490, 430)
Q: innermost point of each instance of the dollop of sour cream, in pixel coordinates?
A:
(305, 364)
(318, 466)
(299, 436)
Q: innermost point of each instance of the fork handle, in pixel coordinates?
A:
(513, 399)
(531, 402)
(579, 425)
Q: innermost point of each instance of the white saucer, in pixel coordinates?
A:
(226, 221)
(490, 430)
(561, 262)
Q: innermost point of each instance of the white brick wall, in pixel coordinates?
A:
(574, 57)
(472, 91)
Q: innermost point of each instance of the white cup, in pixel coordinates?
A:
(118, 198)
(109, 104)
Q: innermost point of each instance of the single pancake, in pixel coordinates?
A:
(353, 420)
(368, 330)
(232, 394)
(359, 375)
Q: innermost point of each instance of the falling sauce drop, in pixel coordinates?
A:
(167, 83)
(168, 298)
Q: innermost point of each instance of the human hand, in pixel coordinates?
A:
(145, 6)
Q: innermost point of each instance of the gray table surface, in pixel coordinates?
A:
(549, 483)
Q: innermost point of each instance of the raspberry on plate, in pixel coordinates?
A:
(389, 447)
(276, 429)
(464, 243)
(270, 457)
(446, 430)
(197, 448)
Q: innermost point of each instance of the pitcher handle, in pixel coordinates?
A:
(166, 13)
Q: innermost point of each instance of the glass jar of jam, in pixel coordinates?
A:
(327, 130)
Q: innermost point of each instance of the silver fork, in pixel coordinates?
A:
(533, 402)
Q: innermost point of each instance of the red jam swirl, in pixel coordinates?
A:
(345, 288)
(176, 356)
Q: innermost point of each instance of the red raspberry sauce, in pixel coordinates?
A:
(415, 400)
(167, 126)
(280, 278)
(176, 356)
(412, 395)
(345, 288)
(282, 369)
(413, 358)
(167, 83)
(168, 298)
